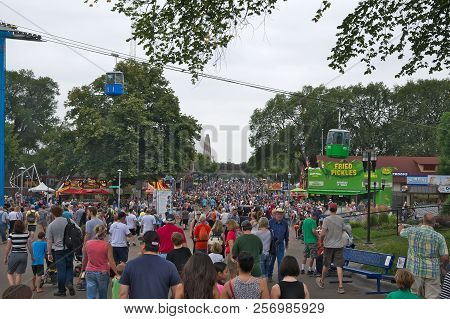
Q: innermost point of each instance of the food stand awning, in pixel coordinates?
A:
(81, 191)
(334, 192)
(41, 188)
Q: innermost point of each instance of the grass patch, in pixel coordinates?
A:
(386, 241)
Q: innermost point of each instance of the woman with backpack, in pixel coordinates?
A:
(201, 234)
(265, 235)
(217, 236)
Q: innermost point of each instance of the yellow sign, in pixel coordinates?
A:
(343, 169)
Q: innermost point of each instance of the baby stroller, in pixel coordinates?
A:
(50, 276)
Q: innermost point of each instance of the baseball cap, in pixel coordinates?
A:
(332, 206)
(279, 210)
(151, 240)
(246, 225)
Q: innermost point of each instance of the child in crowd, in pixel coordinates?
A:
(404, 280)
(222, 275)
(216, 253)
(115, 286)
(39, 248)
(179, 255)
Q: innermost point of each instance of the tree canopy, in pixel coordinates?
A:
(142, 132)
(30, 107)
(194, 32)
(400, 121)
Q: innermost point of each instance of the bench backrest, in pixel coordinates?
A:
(369, 258)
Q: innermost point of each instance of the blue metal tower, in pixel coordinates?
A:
(7, 31)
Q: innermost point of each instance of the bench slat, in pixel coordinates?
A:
(368, 258)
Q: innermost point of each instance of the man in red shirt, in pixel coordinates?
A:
(201, 235)
(165, 235)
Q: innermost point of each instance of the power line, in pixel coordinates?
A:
(74, 44)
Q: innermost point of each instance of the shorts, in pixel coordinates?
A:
(310, 251)
(333, 255)
(120, 254)
(17, 263)
(31, 228)
(38, 270)
(133, 231)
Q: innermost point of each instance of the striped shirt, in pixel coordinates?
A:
(425, 248)
(445, 291)
(19, 242)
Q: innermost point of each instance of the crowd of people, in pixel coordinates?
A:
(237, 231)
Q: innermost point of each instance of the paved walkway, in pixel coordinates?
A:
(355, 290)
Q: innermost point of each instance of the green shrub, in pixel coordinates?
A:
(383, 218)
(374, 220)
(392, 219)
(446, 207)
(355, 224)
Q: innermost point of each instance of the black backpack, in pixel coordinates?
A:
(273, 244)
(73, 238)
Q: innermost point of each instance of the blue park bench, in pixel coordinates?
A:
(369, 258)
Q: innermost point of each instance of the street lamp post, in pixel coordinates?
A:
(289, 184)
(369, 165)
(118, 200)
(22, 171)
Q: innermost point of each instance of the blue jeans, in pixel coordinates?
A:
(97, 282)
(265, 264)
(64, 268)
(279, 256)
(3, 228)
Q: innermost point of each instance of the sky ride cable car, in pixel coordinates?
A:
(114, 82)
(338, 143)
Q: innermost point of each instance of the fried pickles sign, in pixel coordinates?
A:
(343, 169)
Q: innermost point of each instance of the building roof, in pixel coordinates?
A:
(402, 164)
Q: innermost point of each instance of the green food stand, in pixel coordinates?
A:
(347, 178)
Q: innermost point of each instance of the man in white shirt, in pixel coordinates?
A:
(148, 221)
(131, 221)
(16, 214)
(119, 232)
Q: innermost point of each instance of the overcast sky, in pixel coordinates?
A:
(288, 51)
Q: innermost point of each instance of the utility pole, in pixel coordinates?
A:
(7, 31)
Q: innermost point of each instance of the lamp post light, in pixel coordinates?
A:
(369, 164)
(289, 184)
(22, 171)
(118, 200)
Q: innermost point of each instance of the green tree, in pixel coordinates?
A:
(418, 107)
(30, 107)
(286, 133)
(205, 165)
(12, 152)
(142, 132)
(444, 144)
(194, 32)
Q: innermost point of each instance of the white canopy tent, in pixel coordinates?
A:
(41, 188)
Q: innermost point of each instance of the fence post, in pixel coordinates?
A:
(396, 229)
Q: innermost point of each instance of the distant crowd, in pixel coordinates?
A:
(237, 231)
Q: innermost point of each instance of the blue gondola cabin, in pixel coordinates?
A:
(114, 84)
